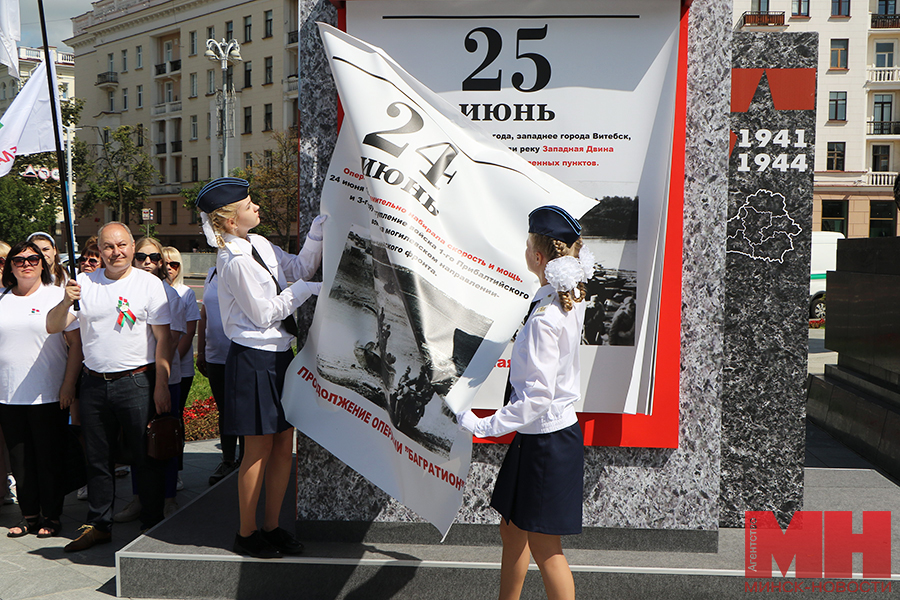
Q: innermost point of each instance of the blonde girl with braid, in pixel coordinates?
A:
(539, 487)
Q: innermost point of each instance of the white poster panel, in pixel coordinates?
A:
(585, 91)
(424, 280)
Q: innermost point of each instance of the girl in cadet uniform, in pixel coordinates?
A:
(539, 488)
(257, 307)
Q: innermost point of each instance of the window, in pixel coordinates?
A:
(834, 216)
(159, 211)
(881, 157)
(139, 57)
(759, 5)
(887, 7)
(267, 32)
(267, 158)
(111, 96)
(882, 113)
(247, 29)
(195, 176)
(209, 166)
(124, 98)
(835, 161)
(211, 81)
(208, 125)
(140, 96)
(229, 77)
(248, 160)
(229, 30)
(140, 134)
(267, 117)
(106, 135)
(63, 90)
(174, 206)
(210, 33)
(884, 54)
(167, 51)
(800, 8)
(124, 60)
(840, 8)
(170, 91)
(268, 70)
(192, 43)
(839, 53)
(882, 218)
(248, 119)
(193, 84)
(194, 127)
(837, 106)
(248, 72)
(110, 62)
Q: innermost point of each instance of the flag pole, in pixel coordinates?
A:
(60, 157)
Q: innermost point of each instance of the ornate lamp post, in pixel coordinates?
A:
(226, 52)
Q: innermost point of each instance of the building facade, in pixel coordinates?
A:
(29, 58)
(857, 155)
(146, 60)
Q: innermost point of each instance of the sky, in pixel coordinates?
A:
(58, 14)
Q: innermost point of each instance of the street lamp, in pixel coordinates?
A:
(225, 52)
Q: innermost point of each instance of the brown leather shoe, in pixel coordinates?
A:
(90, 537)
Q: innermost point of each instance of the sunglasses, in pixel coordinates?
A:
(2, 261)
(33, 260)
(90, 261)
(141, 256)
(174, 265)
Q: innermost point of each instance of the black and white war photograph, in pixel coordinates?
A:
(610, 231)
(397, 340)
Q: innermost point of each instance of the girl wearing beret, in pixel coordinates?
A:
(539, 488)
(257, 307)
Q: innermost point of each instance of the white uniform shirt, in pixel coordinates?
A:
(191, 313)
(111, 344)
(179, 324)
(217, 342)
(544, 372)
(251, 309)
(32, 361)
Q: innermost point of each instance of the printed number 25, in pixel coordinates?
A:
(494, 45)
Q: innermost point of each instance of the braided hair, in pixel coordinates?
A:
(552, 249)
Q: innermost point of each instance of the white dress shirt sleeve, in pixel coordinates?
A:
(300, 266)
(535, 391)
(246, 279)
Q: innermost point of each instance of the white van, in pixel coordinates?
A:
(824, 259)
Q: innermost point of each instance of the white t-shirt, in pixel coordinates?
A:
(32, 362)
(191, 313)
(115, 319)
(178, 324)
(217, 343)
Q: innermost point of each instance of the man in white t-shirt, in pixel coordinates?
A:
(124, 319)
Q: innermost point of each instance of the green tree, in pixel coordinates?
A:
(115, 172)
(24, 209)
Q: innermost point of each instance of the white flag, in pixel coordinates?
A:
(10, 33)
(29, 112)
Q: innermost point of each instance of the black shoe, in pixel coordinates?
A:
(283, 541)
(254, 545)
(224, 469)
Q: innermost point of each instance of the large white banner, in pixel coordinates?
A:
(424, 280)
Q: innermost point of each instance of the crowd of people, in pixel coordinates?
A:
(110, 349)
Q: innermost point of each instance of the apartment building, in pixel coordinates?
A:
(857, 154)
(146, 60)
(29, 58)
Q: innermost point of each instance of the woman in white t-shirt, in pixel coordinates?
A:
(37, 379)
(175, 277)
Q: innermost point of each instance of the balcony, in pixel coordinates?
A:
(881, 178)
(883, 128)
(762, 19)
(885, 21)
(161, 148)
(883, 74)
(108, 79)
(176, 146)
(174, 65)
(167, 107)
(161, 69)
(293, 37)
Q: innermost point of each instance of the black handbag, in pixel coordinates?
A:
(165, 437)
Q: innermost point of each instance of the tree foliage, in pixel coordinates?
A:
(115, 172)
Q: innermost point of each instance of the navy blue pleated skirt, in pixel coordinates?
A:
(254, 380)
(541, 482)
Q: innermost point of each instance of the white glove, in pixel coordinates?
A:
(315, 230)
(467, 420)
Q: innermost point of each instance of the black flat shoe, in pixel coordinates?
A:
(284, 541)
(26, 526)
(53, 529)
(255, 545)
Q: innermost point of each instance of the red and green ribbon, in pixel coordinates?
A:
(125, 313)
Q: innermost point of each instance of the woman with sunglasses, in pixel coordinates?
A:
(45, 242)
(89, 261)
(148, 257)
(37, 379)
